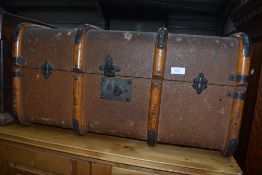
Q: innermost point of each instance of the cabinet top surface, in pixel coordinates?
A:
(121, 150)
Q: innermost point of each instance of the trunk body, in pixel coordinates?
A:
(159, 87)
(8, 23)
(44, 98)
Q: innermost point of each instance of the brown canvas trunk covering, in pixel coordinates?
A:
(160, 87)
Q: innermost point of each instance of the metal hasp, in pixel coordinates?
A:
(109, 68)
(116, 89)
(200, 83)
(46, 69)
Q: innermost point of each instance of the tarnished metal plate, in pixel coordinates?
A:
(116, 89)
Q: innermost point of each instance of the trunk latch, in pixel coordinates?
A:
(109, 68)
(200, 83)
(46, 69)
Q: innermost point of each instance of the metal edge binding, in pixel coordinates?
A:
(80, 30)
(76, 128)
(17, 29)
(78, 37)
(17, 120)
(15, 117)
(162, 35)
(246, 43)
(231, 148)
(151, 138)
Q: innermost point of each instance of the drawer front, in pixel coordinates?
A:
(21, 169)
(122, 171)
(100, 169)
(23, 161)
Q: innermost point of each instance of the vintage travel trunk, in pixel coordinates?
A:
(177, 89)
(8, 23)
(43, 74)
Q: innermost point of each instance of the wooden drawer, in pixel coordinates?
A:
(41, 150)
(23, 161)
(100, 169)
(122, 171)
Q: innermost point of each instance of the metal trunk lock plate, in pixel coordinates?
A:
(116, 89)
(200, 83)
(46, 69)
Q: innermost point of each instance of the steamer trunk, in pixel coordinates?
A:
(46, 96)
(8, 23)
(178, 89)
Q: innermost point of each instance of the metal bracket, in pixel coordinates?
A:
(109, 68)
(200, 83)
(241, 95)
(151, 138)
(116, 89)
(15, 116)
(239, 78)
(161, 38)
(19, 61)
(16, 30)
(231, 148)
(18, 74)
(76, 128)
(46, 69)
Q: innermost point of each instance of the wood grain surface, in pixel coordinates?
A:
(164, 158)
